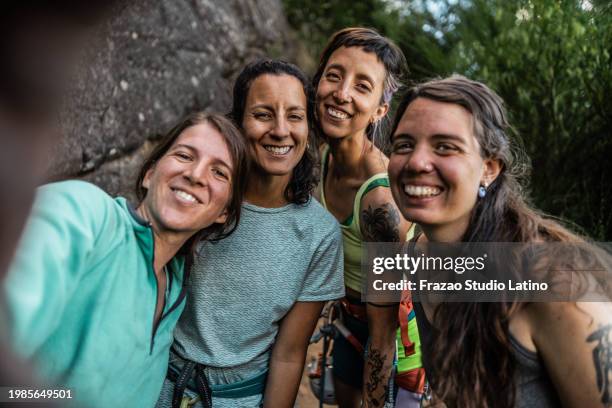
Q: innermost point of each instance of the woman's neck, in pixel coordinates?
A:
(166, 247)
(348, 153)
(445, 233)
(165, 243)
(266, 190)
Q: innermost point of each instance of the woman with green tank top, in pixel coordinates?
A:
(359, 72)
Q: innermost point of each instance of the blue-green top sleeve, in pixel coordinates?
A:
(65, 225)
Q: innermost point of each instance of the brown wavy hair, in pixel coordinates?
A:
(469, 360)
(240, 162)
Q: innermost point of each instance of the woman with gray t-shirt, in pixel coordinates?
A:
(254, 298)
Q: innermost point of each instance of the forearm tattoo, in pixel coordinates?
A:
(376, 385)
(380, 224)
(602, 357)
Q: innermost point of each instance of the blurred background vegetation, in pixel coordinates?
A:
(550, 61)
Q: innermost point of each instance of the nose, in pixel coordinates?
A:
(420, 160)
(281, 128)
(342, 94)
(197, 174)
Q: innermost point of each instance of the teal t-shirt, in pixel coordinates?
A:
(81, 297)
(242, 286)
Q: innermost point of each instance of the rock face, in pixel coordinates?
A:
(154, 62)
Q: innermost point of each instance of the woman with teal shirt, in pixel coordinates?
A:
(96, 286)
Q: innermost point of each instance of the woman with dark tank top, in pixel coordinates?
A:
(537, 390)
(454, 171)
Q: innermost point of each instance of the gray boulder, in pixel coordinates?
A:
(152, 63)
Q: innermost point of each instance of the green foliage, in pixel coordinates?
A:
(550, 60)
(317, 20)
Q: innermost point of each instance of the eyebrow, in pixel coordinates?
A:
(222, 162)
(335, 66)
(448, 136)
(216, 159)
(359, 75)
(402, 135)
(261, 106)
(366, 78)
(437, 136)
(185, 146)
(296, 108)
(268, 107)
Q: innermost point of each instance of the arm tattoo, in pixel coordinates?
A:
(380, 224)
(602, 357)
(376, 384)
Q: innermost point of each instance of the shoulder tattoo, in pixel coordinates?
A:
(602, 357)
(380, 224)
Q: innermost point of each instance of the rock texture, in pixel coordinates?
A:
(152, 63)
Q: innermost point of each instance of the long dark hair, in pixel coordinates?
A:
(470, 359)
(305, 174)
(238, 152)
(389, 54)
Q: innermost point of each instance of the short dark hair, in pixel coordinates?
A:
(305, 174)
(387, 52)
(238, 152)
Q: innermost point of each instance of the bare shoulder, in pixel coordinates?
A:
(375, 162)
(576, 337)
(379, 218)
(555, 322)
(585, 313)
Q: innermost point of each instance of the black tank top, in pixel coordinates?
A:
(534, 387)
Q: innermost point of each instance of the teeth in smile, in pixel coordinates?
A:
(336, 113)
(278, 149)
(421, 191)
(185, 196)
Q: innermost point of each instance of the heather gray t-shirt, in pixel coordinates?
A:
(242, 286)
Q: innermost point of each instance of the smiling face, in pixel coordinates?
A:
(349, 92)
(189, 188)
(436, 166)
(275, 123)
